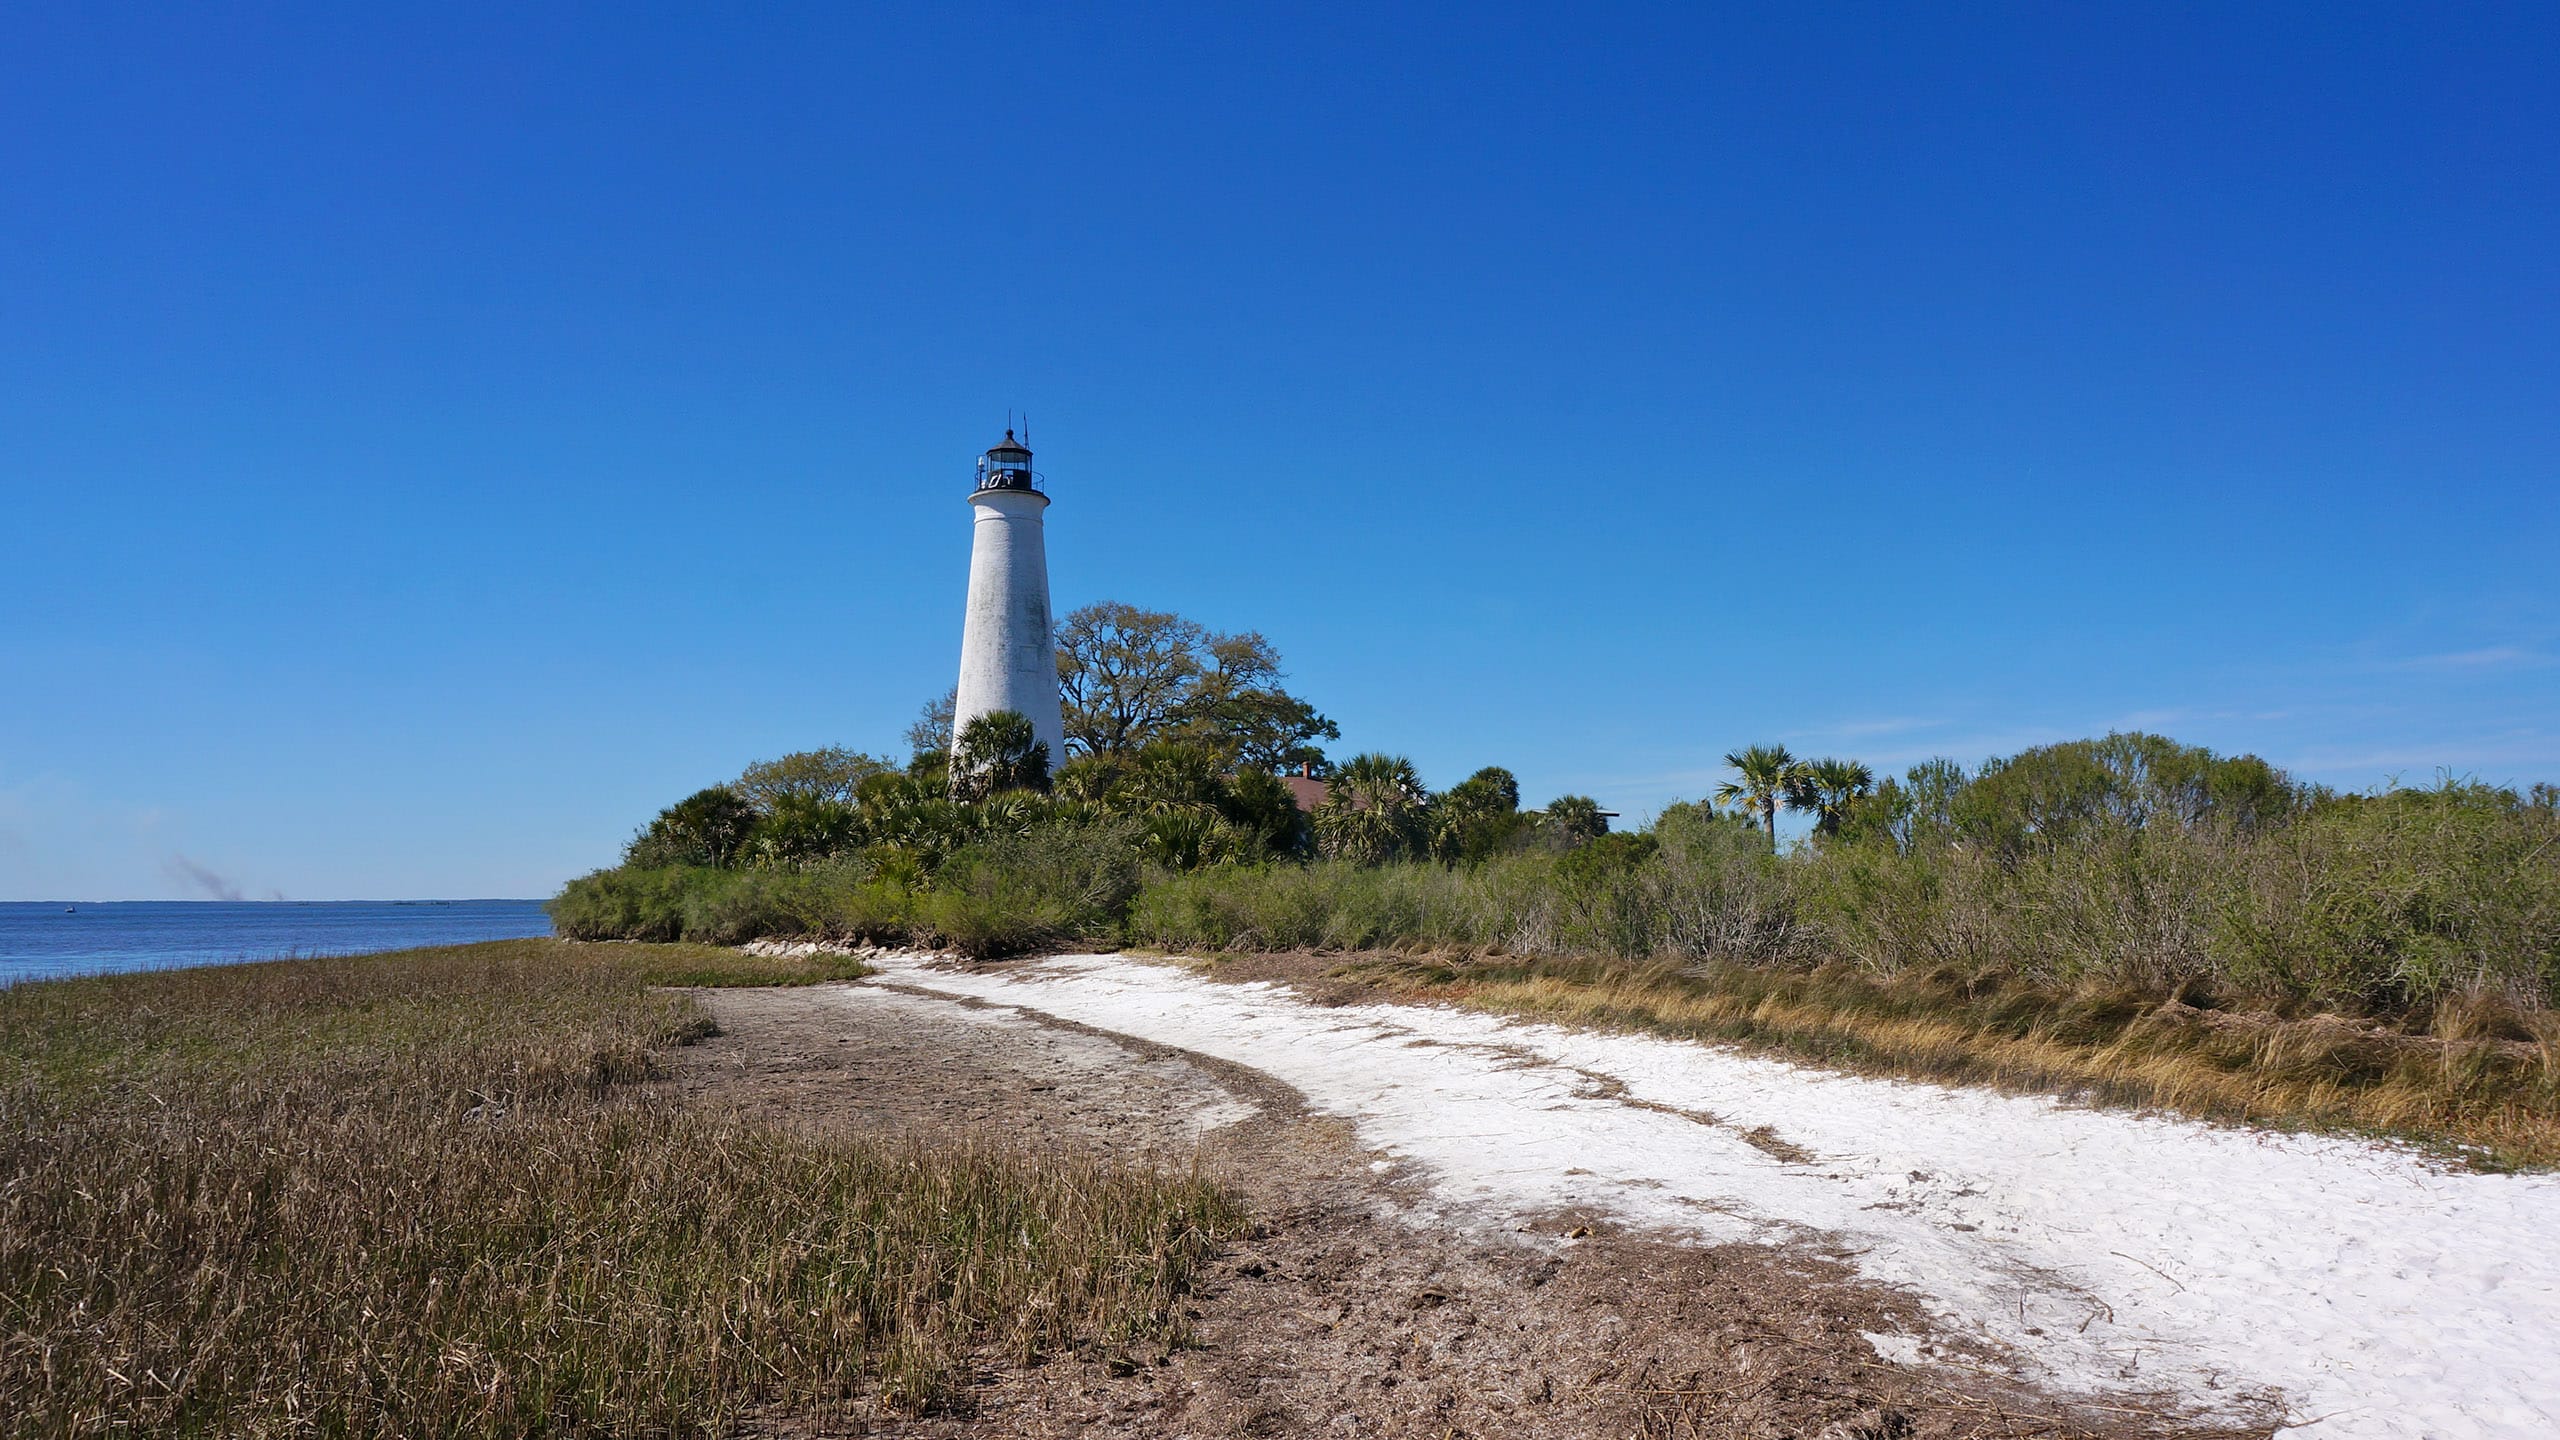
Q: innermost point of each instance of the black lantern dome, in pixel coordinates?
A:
(1007, 466)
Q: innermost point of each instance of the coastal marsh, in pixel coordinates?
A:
(439, 1192)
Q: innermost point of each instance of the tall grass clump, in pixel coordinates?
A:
(432, 1194)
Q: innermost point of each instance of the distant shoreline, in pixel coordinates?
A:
(199, 900)
(54, 939)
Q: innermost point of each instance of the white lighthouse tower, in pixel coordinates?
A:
(1008, 650)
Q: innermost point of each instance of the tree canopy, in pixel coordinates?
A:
(1826, 789)
(2124, 782)
(932, 732)
(1577, 818)
(1759, 783)
(1478, 817)
(1375, 810)
(1128, 677)
(833, 773)
(708, 827)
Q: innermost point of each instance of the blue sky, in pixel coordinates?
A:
(433, 438)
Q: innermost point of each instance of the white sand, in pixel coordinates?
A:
(2379, 1293)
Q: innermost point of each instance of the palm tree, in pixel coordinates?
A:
(1762, 775)
(1826, 788)
(1577, 818)
(1173, 776)
(998, 751)
(1477, 816)
(1374, 810)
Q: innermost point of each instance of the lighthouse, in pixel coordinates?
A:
(1008, 650)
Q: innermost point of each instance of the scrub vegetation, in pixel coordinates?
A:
(434, 1192)
(2125, 916)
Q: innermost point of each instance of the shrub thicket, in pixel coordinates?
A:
(2381, 905)
(2129, 862)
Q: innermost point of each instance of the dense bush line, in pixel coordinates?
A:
(1055, 881)
(2374, 905)
(2129, 861)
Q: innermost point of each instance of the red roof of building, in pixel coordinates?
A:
(1308, 791)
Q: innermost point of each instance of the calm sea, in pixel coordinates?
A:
(56, 938)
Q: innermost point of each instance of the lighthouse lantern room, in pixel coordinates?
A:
(1007, 466)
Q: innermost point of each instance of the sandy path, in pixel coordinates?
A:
(2099, 1251)
(1346, 1311)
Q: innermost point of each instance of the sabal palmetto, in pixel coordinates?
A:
(997, 752)
(1194, 840)
(1172, 777)
(1826, 788)
(928, 829)
(1013, 812)
(803, 828)
(1577, 818)
(1477, 816)
(1374, 810)
(1762, 774)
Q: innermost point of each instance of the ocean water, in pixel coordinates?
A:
(39, 940)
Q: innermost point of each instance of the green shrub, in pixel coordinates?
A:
(2397, 900)
(1241, 908)
(1016, 893)
(625, 903)
(2057, 794)
(1002, 894)
(1328, 905)
(733, 907)
(2129, 864)
(1717, 892)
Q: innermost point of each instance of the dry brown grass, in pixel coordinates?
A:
(427, 1193)
(2485, 1087)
